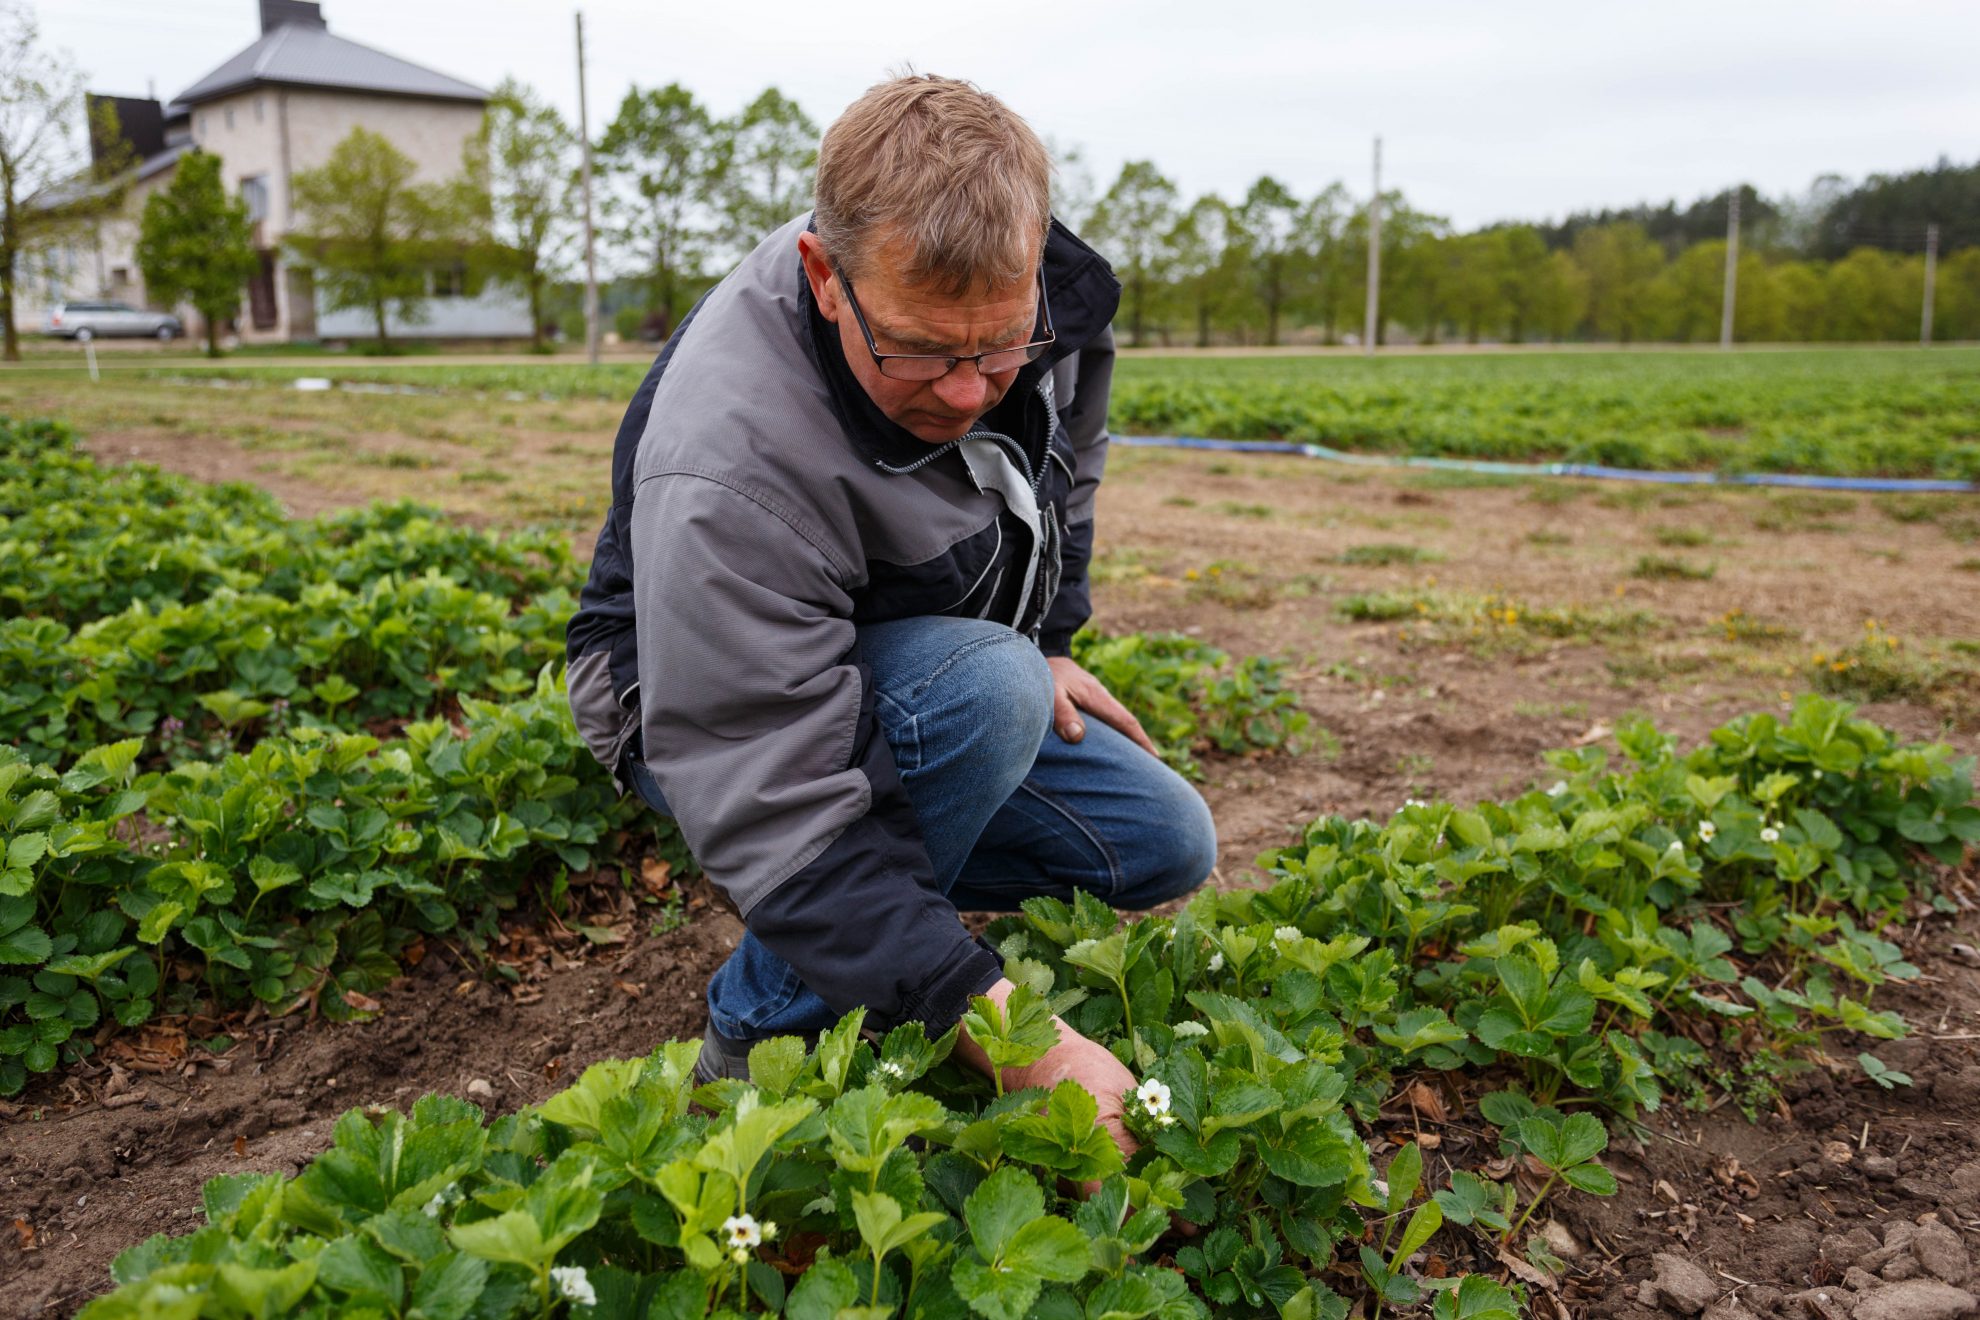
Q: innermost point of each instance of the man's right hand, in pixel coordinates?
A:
(1075, 1059)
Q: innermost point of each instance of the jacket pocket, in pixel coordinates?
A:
(604, 724)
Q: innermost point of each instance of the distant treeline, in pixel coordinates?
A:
(1839, 264)
(684, 192)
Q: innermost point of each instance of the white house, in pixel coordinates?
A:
(278, 107)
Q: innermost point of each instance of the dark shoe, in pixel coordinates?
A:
(721, 1057)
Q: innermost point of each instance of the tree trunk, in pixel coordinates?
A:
(1134, 317)
(212, 334)
(10, 251)
(536, 310)
(1203, 323)
(378, 316)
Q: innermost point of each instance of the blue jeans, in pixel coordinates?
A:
(1008, 809)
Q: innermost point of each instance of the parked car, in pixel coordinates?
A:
(102, 319)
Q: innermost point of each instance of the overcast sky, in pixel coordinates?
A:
(1487, 110)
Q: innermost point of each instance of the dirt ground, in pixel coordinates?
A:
(1256, 555)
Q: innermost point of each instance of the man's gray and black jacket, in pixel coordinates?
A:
(763, 508)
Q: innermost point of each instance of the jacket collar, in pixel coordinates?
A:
(1084, 296)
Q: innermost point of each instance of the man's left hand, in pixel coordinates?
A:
(1074, 690)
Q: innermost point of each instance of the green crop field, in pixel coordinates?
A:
(1854, 412)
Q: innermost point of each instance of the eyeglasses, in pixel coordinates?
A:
(934, 366)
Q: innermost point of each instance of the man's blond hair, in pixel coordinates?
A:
(945, 169)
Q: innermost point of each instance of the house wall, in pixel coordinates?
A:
(272, 132)
(496, 313)
(86, 262)
(275, 132)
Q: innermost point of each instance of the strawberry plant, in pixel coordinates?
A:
(1536, 944)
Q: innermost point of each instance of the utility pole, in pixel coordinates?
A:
(1931, 278)
(1373, 320)
(1732, 272)
(590, 251)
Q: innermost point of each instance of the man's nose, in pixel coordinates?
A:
(963, 390)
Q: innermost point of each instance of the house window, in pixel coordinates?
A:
(258, 108)
(120, 276)
(254, 191)
(199, 124)
(229, 112)
(450, 282)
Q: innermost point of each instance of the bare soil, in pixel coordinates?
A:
(95, 1161)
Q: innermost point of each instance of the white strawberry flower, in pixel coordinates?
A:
(572, 1283)
(1153, 1095)
(742, 1232)
(892, 1070)
(1560, 787)
(1707, 831)
(1216, 963)
(1287, 935)
(1770, 835)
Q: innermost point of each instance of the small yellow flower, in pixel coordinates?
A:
(1191, 574)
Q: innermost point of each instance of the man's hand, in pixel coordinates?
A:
(1074, 1058)
(1074, 690)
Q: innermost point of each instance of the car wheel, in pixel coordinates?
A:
(166, 332)
(84, 335)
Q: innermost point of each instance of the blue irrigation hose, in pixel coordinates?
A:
(1909, 485)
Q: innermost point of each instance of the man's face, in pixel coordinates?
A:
(908, 319)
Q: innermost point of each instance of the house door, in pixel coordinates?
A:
(261, 292)
(301, 286)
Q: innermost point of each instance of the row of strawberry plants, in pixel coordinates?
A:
(1191, 696)
(290, 873)
(1704, 905)
(209, 675)
(79, 541)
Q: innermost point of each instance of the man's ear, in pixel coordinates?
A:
(818, 271)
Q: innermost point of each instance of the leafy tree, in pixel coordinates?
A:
(1331, 279)
(1801, 300)
(47, 184)
(1072, 184)
(1620, 262)
(772, 157)
(1956, 309)
(1478, 264)
(521, 186)
(1561, 296)
(666, 161)
(370, 232)
(1689, 293)
(1129, 225)
(1267, 221)
(1523, 277)
(1874, 295)
(1196, 254)
(196, 244)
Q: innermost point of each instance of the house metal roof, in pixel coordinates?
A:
(296, 55)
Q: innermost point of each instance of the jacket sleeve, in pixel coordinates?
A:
(760, 728)
(1091, 382)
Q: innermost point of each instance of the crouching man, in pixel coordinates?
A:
(828, 623)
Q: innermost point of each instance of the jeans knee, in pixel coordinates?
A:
(1177, 852)
(1005, 684)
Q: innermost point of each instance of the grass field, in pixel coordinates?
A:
(1854, 412)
